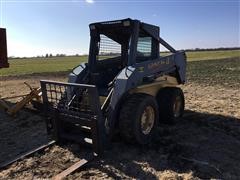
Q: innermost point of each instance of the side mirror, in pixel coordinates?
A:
(3, 49)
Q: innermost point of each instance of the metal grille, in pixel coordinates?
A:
(73, 100)
(144, 46)
(108, 48)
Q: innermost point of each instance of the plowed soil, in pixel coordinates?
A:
(203, 144)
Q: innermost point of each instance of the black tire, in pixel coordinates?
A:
(131, 116)
(167, 98)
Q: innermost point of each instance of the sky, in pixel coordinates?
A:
(37, 27)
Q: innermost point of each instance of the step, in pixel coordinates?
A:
(77, 120)
(76, 138)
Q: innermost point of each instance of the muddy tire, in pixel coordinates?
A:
(138, 118)
(171, 104)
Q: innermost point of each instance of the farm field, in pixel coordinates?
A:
(204, 144)
(65, 64)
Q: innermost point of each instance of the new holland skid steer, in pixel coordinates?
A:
(126, 88)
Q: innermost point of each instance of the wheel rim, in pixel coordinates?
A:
(177, 106)
(147, 120)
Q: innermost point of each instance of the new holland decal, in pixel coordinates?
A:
(156, 65)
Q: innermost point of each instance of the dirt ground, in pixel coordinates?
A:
(204, 144)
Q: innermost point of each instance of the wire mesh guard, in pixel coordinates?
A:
(144, 46)
(108, 48)
(69, 99)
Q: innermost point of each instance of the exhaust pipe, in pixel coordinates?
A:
(3, 49)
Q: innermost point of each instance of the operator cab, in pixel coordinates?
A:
(117, 44)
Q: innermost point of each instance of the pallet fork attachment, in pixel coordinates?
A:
(73, 113)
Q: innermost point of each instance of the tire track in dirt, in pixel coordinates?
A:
(206, 139)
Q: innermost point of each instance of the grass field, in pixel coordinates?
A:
(65, 64)
(225, 72)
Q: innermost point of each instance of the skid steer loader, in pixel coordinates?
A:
(125, 88)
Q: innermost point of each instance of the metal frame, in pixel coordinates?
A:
(60, 114)
(3, 49)
(34, 96)
(26, 154)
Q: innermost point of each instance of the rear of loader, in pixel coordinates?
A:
(119, 90)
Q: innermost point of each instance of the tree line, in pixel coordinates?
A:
(50, 55)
